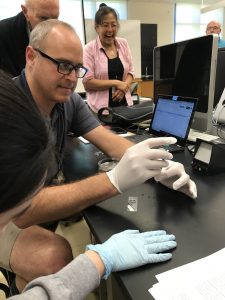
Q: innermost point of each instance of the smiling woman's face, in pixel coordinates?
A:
(107, 30)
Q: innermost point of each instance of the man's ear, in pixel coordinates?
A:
(30, 55)
(24, 10)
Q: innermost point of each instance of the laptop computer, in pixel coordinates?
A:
(172, 116)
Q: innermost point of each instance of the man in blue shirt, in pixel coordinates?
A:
(215, 27)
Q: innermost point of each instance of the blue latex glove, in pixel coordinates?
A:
(130, 249)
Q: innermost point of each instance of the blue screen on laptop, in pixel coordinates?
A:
(172, 117)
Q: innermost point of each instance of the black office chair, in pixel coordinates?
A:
(9, 289)
(125, 116)
(5, 289)
(133, 91)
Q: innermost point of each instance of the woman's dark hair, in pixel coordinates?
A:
(103, 11)
(26, 145)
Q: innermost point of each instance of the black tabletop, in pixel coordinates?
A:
(197, 224)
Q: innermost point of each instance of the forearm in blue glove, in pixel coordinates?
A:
(130, 249)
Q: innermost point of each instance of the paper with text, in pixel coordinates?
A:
(203, 279)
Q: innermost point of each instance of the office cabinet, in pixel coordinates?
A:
(145, 88)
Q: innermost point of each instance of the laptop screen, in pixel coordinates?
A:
(172, 116)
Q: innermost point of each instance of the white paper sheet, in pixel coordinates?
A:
(203, 279)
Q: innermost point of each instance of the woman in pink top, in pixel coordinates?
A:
(109, 63)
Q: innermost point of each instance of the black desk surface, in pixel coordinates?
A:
(197, 224)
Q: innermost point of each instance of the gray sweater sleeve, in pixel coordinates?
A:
(73, 282)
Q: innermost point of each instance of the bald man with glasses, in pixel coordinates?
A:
(214, 27)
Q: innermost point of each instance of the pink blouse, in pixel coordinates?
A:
(96, 62)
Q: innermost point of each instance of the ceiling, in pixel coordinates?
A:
(206, 5)
(204, 2)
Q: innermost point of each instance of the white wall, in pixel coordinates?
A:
(161, 14)
(130, 30)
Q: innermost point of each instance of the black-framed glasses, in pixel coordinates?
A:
(64, 67)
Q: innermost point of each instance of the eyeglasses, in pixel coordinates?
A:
(213, 28)
(64, 67)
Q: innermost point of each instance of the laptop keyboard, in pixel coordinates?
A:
(175, 148)
(137, 138)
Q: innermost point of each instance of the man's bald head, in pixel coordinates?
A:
(36, 11)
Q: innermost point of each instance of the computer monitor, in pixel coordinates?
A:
(220, 75)
(188, 69)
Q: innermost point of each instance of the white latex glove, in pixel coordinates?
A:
(174, 176)
(140, 163)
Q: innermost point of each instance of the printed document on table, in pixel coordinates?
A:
(203, 279)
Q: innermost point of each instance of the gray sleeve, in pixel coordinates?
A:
(80, 119)
(73, 282)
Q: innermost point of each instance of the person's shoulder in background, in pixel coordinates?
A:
(221, 43)
(6, 24)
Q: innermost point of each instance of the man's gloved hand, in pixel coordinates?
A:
(130, 249)
(140, 163)
(174, 176)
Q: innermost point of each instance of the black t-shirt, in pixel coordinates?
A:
(115, 71)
